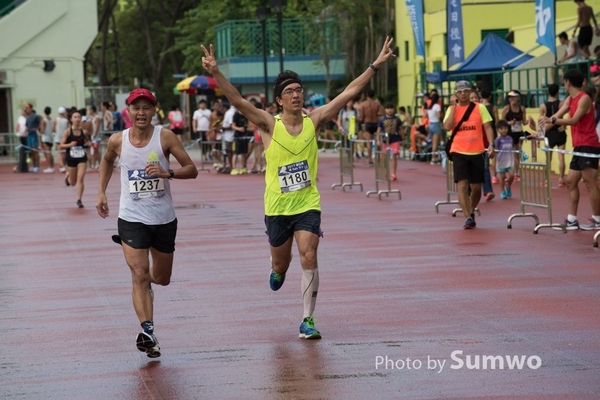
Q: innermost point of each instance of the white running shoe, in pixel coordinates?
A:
(49, 171)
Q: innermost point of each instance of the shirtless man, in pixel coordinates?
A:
(585, 14)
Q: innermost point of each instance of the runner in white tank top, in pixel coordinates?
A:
(147, 223)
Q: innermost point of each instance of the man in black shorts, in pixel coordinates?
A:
(468, 148)
(371, 110)
(585, 14)
(147, 223)
(242, 138)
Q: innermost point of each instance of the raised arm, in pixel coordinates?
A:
(449, 118)
(329, 110)
(262, 119)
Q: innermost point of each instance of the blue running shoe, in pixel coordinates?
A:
(307, 329)
(469, 224)
(503, 195)
(508, 193)
(276, 280)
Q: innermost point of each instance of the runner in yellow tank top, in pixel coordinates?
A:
(291, 173)
(292, 201)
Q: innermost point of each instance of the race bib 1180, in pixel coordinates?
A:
(293, 177)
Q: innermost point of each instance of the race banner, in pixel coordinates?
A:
(415, 13)
(544, 24)
(454, 26)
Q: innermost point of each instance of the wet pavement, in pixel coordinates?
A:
(408, 302)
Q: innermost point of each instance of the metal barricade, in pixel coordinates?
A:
(346, 166)
(451, 189)
(382, 171)
(205, 149)
(9, 143)
(535, 188)
(201, 146)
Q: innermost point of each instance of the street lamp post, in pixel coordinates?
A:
(262, 13)
(278, 6)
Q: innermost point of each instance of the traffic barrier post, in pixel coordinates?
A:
(535, 188)
(347, 166)
(382, 170)
(451, 189)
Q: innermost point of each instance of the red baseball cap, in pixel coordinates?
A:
(138, 93)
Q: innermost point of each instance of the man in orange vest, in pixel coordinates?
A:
(468, 148)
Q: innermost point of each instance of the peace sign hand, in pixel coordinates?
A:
(386, 52)
(208, 61)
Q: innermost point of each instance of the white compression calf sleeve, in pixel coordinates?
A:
(310, 286)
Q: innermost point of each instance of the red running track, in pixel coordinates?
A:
(397, 281)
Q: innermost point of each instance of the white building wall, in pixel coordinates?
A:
(38, 30)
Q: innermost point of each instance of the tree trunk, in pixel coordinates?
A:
(157, 61)
(107, 11)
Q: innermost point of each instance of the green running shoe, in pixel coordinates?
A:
(307, 329)
(276, 280)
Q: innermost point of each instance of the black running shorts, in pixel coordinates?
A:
(579, 163)
(469, 167)
(516, 137)
(586, 34)
(280, 228)
(556, 138)
(142, 236)
(371, 127)
(241, 144)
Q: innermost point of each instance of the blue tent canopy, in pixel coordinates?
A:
(490, 56)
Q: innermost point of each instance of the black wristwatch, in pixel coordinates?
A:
(171, 173)
(553, 120)
(373, 67)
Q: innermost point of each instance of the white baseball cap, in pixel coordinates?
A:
(62, 110)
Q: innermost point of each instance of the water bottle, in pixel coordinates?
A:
(541, 132)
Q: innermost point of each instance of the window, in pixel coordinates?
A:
(501, 33)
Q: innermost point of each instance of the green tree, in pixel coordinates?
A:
(145, 42)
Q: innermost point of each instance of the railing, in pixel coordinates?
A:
(97, 94)
(243, 38)
(532, 83)
(8, 147)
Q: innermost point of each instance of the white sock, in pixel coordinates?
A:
(310, 286)
(571, 218)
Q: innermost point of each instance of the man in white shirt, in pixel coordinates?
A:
(228, 136)
(201, 125)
